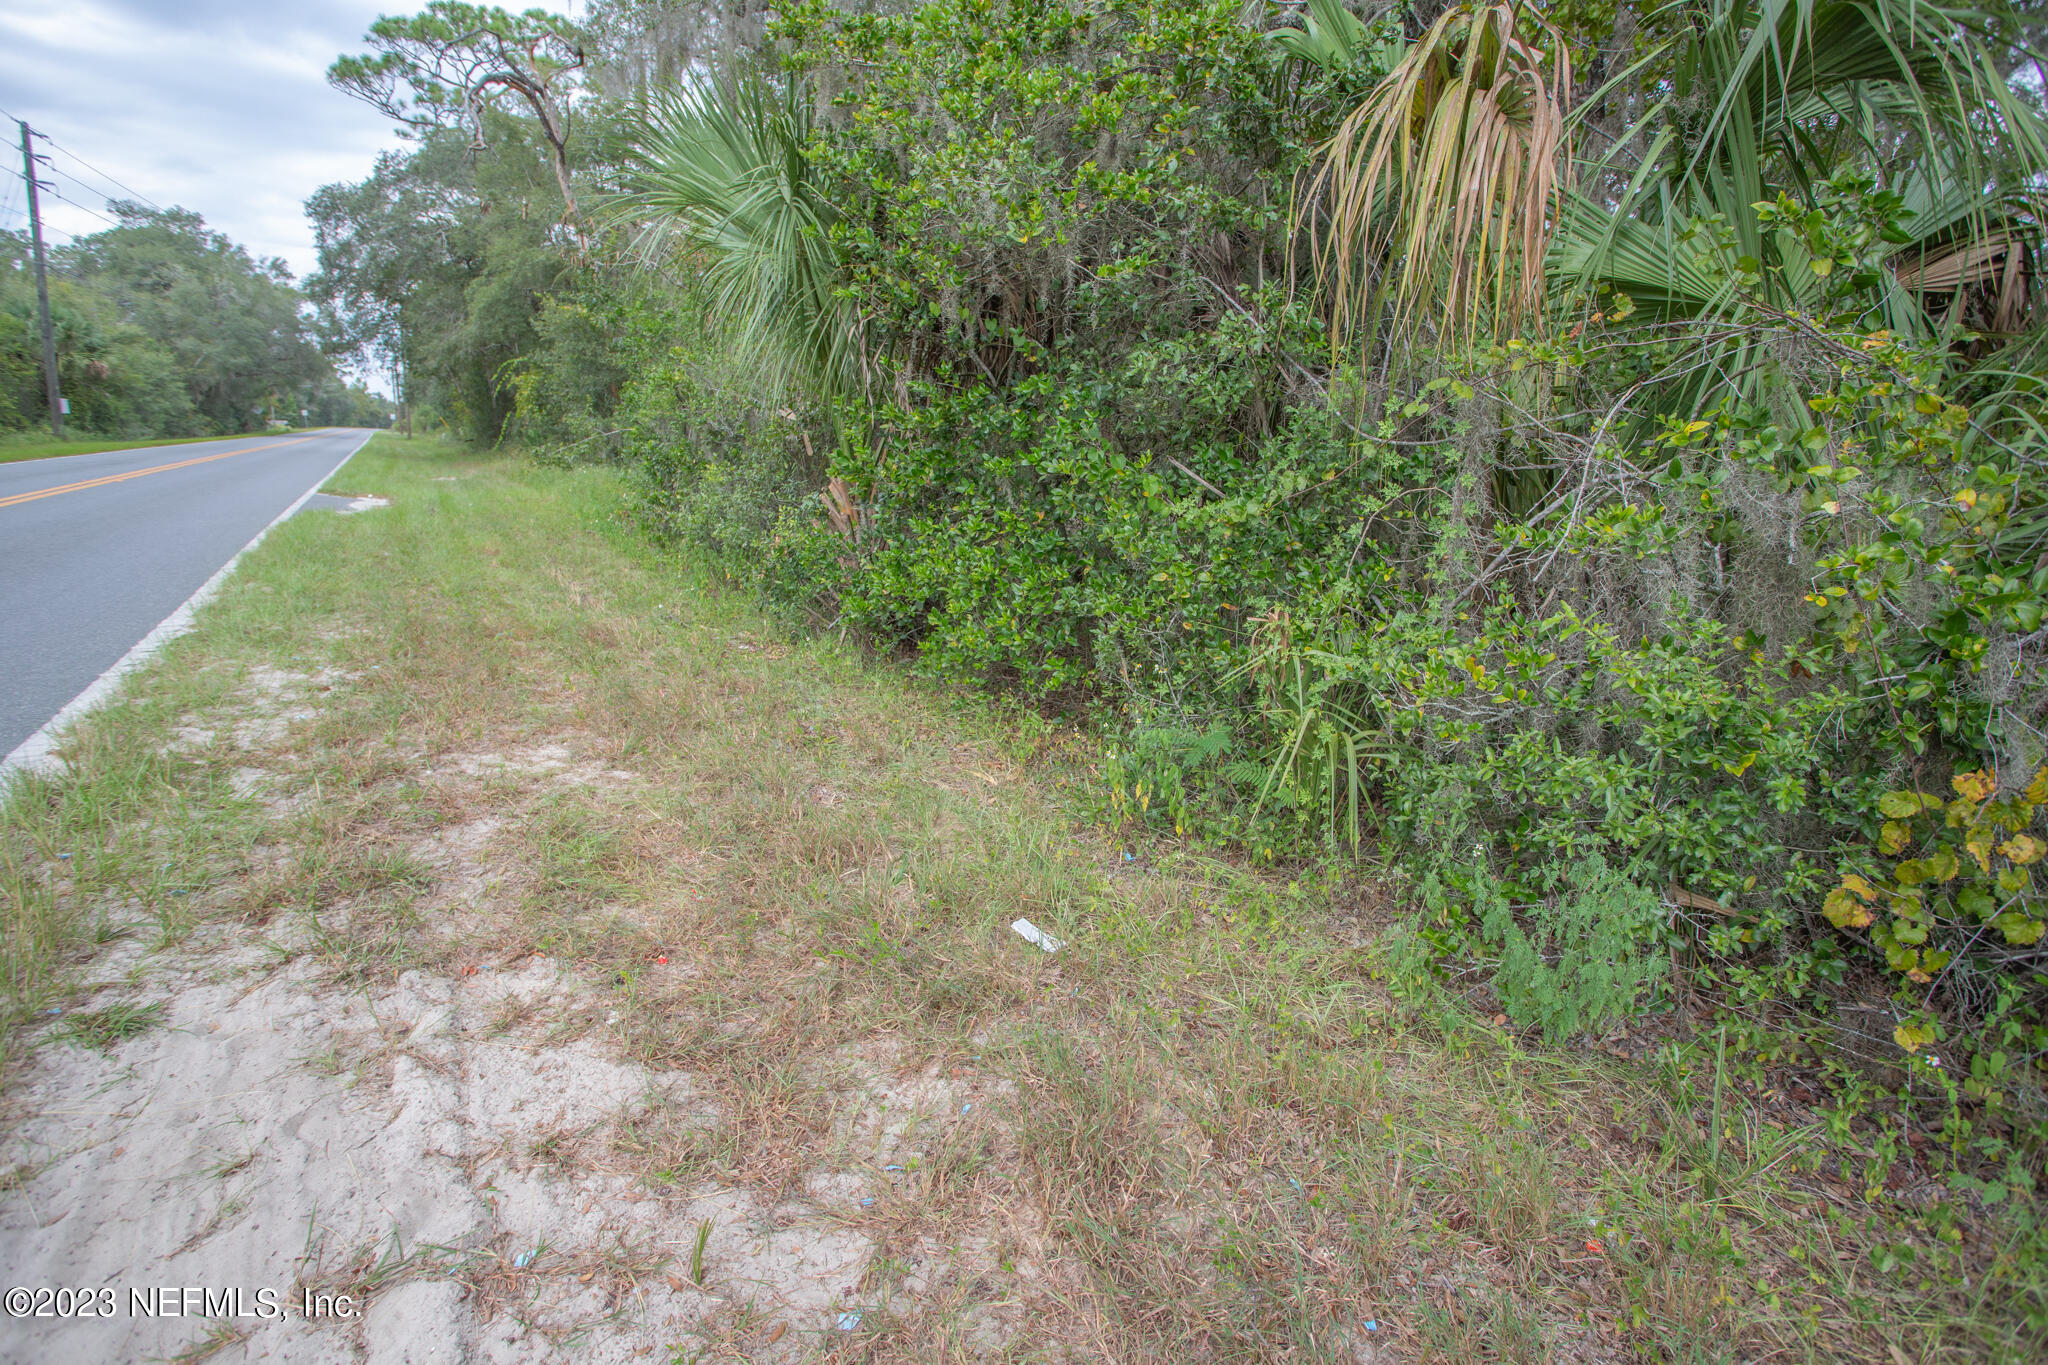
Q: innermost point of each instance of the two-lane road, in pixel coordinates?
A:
(97, 550)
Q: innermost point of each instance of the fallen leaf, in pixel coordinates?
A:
(675, 1284)
(775, 1332)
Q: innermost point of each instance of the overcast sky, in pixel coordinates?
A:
(218, 106)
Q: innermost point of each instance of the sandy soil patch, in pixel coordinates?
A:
(458, 1180)
(452, 1166)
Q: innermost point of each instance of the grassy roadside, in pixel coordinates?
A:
(1233, 1143)
(11, 451)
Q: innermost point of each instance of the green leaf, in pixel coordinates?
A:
(1902, 805)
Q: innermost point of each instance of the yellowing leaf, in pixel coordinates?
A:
(1968, 497)
(1902, 805)
(2037, 790)
(1978, 841)
(2023, 848)
(1974, 786)
(1843, 910)
(1912, 1037)
(1895, 835)
(1852, 882)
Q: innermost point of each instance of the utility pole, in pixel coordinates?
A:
(398, 382)
(51, 388)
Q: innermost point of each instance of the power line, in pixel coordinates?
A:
(82, 209)
(58, 146)
(83, 187)
(138, 194)
(53, 192)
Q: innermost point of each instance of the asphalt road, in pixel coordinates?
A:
(88, 568)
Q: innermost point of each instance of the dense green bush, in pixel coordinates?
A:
(1699, 627)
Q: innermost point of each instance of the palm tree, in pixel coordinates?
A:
(1439, 186)
(721, 169)
(1766, 96)
(1451, 182)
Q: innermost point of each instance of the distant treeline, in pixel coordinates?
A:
(165, 327)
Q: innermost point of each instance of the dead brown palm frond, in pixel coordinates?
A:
(1442, 184)
(1985, 279)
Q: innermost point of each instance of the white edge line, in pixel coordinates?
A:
(36, 754)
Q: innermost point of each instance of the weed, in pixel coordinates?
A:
(211, 1343)
(114, 1024)
(697, 1246)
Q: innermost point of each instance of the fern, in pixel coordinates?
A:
(1570, 961)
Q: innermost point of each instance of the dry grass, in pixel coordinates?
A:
(1199, 1132)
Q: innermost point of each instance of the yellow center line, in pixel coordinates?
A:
(138, 473)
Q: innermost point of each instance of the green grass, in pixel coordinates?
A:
(1224, 1139)
(29, 448)
(104, 1028)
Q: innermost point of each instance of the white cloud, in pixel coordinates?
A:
(218, 106)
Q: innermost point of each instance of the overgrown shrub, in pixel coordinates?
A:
(1628, 636)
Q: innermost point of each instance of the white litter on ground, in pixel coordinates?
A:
(1031, 933)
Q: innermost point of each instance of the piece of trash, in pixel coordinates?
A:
(868, 1202)
(53, 1011)
(1130, 857)
(65, 856)
(1031, 933)
(524, 1259)
(892, 1168)
(662, 959)
(966, 1108)
(849, 1321)
(1372, 1324)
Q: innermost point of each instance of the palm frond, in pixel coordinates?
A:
(1792, 91)
(1330, 37)
(1442, 183)
(721, 170)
